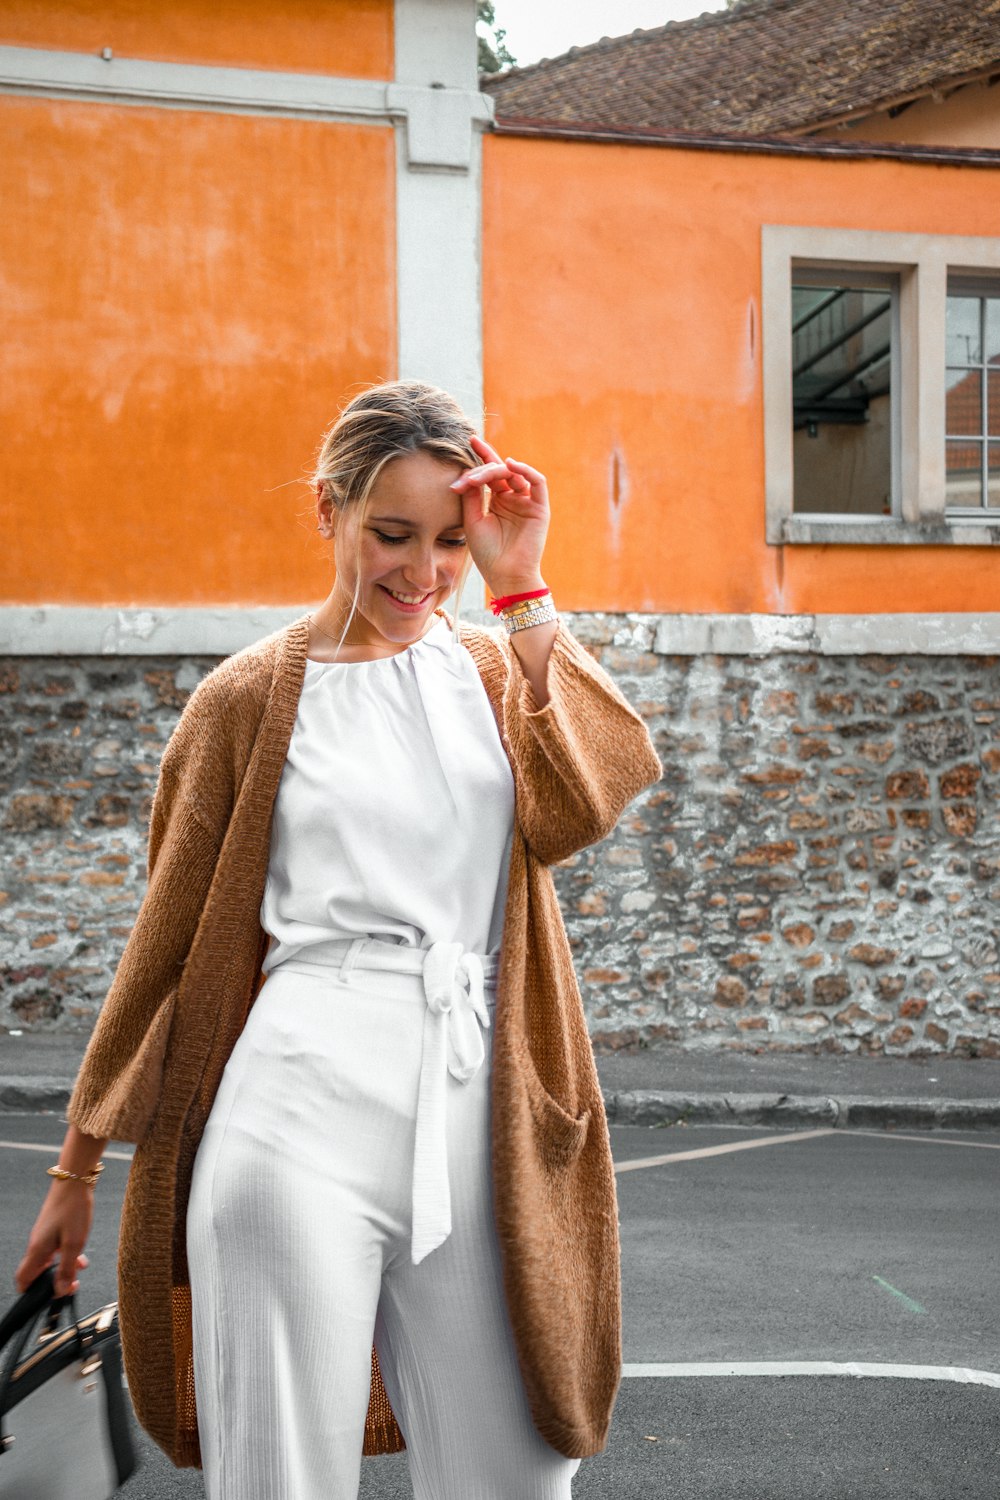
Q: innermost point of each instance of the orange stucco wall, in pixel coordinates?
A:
(351, 38)
(622, 356)
(968, 117)
(187, 298)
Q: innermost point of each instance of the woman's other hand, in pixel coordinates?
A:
(507, 538)
(61, 1229)
(59, 1234)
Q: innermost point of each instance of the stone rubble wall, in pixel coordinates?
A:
(818, 869)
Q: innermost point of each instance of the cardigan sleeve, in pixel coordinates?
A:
(578, 761)
(118, 1085)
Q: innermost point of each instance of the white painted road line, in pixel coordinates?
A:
(55, 1150)
(927, 1140)
(764, 1140)
(622, 1166)
(813, 1367)
(784, 1139)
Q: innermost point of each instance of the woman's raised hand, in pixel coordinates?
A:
(507, 538)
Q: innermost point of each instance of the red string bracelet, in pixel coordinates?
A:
(496, 605)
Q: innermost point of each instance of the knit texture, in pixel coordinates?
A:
(192, 968)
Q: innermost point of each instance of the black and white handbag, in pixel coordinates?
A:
(65, 1418)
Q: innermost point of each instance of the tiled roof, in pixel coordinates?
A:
(766, 66)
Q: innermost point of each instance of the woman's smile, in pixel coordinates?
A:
(410, 604)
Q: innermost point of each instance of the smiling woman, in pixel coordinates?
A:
(402, 482)
(383, 498)
(396, 567)
(373, 1192)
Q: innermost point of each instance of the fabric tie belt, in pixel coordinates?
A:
(454, 983)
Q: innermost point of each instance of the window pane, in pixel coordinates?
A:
(963, 473)
(993, 402)
(962, 331)
(993, 330)
(993, 477)
(841, 395)
(963, 403)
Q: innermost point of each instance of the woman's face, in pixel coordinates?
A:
(412, 544)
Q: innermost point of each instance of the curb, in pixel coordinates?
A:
(38, 1093)
(663, 1107)
(658, 1107)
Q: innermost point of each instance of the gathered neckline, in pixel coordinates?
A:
(375, 661)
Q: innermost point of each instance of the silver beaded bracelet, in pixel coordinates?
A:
(527, 613)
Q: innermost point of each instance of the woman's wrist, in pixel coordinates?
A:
(66, 1187)
(501, 587)
(528, 613)
(80, 1153)
(88, 1179)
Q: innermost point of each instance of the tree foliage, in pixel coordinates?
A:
(493, 53)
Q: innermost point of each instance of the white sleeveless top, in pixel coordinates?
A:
(395, 811)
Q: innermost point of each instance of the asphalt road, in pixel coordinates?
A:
(836, 1247)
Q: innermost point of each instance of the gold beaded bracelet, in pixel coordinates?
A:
(88, 1177)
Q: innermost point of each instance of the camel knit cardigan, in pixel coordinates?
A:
(191, 971)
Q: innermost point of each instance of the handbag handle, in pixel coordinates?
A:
(39, 1295)
(19, 1323)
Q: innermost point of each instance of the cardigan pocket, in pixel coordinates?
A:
(560, 1134)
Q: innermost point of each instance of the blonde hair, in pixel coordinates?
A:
(384, 422)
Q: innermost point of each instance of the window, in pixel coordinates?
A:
(972, 398)
(842, 387)
(881, 386)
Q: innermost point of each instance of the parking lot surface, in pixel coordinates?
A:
(808, 1315)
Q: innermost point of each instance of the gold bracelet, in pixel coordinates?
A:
(88, 1177)
(528, 612)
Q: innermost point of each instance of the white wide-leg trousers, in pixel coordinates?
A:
(301, 1246)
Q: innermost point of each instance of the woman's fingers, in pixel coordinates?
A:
(483, 448)
(496, 465)
(64, 1286)
(499, 476)
(529, 473)
(32, 1265)
(481, 474)
(57, 1239)
(66, 1280)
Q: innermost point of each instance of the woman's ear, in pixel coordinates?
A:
(325, 515)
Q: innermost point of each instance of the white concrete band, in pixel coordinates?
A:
(942, 634)
(77, 630)
(438, 119)
(131, 80)
(68, 630)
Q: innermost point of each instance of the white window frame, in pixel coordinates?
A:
(979, 287)
(922, 263)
